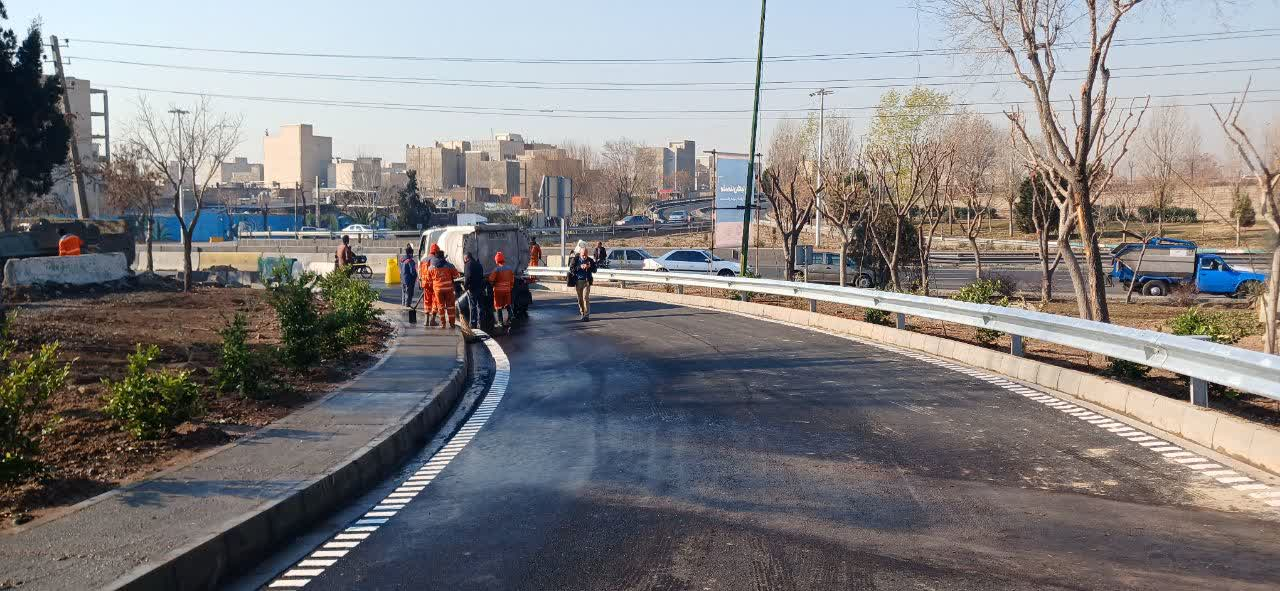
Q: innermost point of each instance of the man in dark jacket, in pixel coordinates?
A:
(601, 254)
(474, 281)
(582, 268)
(408, 277)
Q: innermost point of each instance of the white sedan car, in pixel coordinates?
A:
(690, 260)
(363, 230)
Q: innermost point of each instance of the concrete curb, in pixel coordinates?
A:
(1253, 444)
(243, 540)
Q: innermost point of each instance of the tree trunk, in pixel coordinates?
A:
(844, 247)
(977, 257)
(1011, 206)
(1073, 265)
(1128, 295)
(1092, 258)
(1046, 270)
(186, 259)
(789, 254)
(1269, 305)
(151, 222)
(1237, 230)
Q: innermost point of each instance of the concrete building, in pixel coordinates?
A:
(79, 93)
(500, 149)
(535, 164)
(500, 177)
(240, 171)
(661, 162)
(395, 175)
(438, 167)
(361, 174)
(684, 166)
(296, 155)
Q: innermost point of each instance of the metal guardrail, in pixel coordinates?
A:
(1237, 368)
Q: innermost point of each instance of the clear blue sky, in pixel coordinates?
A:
(577, 29)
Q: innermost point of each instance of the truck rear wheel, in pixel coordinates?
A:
(1247, 289)
(1155, 288)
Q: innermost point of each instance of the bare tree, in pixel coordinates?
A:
(134, 185)
(972, 175)
(1266, 173)
(903, 175)
(1045, 218)
(844, 189)
(1080, 145)
(629, 173)
(788, 185)
(197, 141)
(1164, 142)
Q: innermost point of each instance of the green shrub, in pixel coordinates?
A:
(350, 309)
(1223, 327)
(240, 368)
(875, 316)
(985, 291)
(25, 388)
(300, 322)
(1125, 369)
(151, 403)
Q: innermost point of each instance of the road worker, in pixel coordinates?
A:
(443, 273)
(503, 279)
(428, 291)
(69, 245)
(535, 253)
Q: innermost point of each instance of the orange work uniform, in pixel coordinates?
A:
(535, 255)
(69, 245)
(428, 291)
(503, 279)
(442, 277)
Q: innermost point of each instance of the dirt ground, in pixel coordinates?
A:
(1145, 315)
(88, 454)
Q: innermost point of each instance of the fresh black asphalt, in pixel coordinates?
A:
(667, 448)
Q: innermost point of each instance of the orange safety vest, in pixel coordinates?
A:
(535, 254)
(502, 279)
(424, 274)
(69, 245)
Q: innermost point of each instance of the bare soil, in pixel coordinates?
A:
(1145, 315)
(87, 453)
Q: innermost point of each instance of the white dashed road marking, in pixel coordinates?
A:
(336, 547)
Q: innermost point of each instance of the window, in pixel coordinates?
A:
(816, 259)
(679, 256)
(833, 259)
(616, 255)
(1209, 264)
(633, 255)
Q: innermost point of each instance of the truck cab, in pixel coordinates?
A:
(1166, 262)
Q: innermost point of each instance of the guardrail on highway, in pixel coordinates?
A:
(1202, 361)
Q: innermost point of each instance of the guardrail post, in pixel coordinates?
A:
(900, 321)
(680, 289)
(1199, 392)
(623, 283)
(1015, 347)
(813, 306)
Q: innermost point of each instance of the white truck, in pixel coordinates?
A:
(484, 241)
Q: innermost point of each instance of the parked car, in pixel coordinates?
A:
(365, 231)
(626, 259)
(692, 261)
(678, 217)
(824, 267)
(1169, 261)
(634, 220)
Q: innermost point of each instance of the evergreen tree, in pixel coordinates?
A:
(1242, 210)
(414, 213)
(34, 134)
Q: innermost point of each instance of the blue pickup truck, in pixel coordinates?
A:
(1169, 262)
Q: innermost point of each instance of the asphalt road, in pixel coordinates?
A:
(666, 448)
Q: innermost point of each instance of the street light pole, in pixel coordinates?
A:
(751, 158)
(182, 180)
(821, 93)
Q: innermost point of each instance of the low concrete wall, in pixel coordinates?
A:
(240, 261)
(1253, 444)
(86, 269)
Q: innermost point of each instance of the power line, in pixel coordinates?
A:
(960, 79)
(1129, 42)
(638, 115)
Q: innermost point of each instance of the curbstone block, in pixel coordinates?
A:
(1168, 414)
(1028, 369)
(1234, 438)
(1069, 382)
(1264, 449)
(1140, 405)
(1047, 375)
(1198, 424)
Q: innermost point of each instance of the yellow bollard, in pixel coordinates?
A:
(393, 272)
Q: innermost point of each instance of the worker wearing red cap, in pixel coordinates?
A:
(428, 290)
(503, 279)
(443, 273)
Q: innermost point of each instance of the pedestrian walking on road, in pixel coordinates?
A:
(408, 277)
(581, 275)
(503, 280)
(474, 282)
(535, 253)
(601, 254)
(443, 273)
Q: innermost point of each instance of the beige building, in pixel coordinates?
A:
(296, 155)
(395, 175)
(500, 177)
(535, 164)
(241, 171)
(361, 174)
(439, 168)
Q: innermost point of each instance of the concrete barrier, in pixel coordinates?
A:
(240, 261)
(1252, 443)
(86, 269)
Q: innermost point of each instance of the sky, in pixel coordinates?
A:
(654, 102)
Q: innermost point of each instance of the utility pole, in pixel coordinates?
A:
(751, 158)
(77, 176)
(182, 170)
(821, 93)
